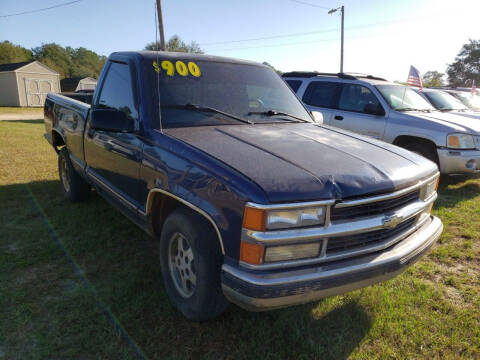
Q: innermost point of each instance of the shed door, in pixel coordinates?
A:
(37, 90)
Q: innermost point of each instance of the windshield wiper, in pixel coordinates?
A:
(412, 109)
(276, 113)
(196, 107)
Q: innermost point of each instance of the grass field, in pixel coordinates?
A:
(79, 281)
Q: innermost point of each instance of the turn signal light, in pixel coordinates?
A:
(254, 219)
(251, 253)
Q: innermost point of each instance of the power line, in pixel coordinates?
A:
(276, 45)
(269, 37)
(42, 9)
(292, 43)
(309, 4)
(381, 23)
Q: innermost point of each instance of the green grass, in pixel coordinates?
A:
(48, 310)
(20, 110)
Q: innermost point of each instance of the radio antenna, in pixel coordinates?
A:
(157, 70)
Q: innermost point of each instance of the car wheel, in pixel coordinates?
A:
(74, 187)
(191, 260)
(423, 150)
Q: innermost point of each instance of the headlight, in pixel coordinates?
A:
(291, 252)
(283, 218)
(460, 141)
(430, 188)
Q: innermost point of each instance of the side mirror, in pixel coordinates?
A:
(318, 116)
(111, 120)
(374, 109)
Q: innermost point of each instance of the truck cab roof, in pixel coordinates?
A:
(154, 55)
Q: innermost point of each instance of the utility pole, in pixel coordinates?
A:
(160, 26)
(341, 54)
(330, 12)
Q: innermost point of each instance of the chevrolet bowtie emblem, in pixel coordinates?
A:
(390, 222)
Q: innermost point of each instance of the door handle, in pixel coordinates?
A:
(338, 117)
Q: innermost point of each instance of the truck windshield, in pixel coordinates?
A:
(444, 101)
(202, 93)
(472, 101)
(402, 98)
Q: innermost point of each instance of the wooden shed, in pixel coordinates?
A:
(78, 84)
(27, 83)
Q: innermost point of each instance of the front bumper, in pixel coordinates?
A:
(258, 291)
(459, 161)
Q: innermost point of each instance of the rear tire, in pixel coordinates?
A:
(74, 187)
(191, 260)
(423, 150)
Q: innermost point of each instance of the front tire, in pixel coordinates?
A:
(74, 187)
(190, 260)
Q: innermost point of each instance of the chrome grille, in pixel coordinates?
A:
(356, 241)
(374, 208)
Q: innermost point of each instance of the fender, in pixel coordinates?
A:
(186, 203)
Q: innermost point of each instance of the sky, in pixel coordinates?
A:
(382, 38)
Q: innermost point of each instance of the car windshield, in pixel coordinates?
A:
(444, 101)
(472, 101)
(202, 93)
(402, 98)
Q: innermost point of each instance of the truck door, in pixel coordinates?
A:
(113, 158)
(322, 96)
(354, 112)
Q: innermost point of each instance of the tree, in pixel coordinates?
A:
(10, 53)
(70, 62)
(55, 57)
(433, 79)
(466, 66)
(85, 62)
(279, 72)
(175, 44)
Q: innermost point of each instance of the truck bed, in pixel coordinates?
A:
(65, 119)
(86, 97)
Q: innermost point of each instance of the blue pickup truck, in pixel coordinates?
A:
(252, 201)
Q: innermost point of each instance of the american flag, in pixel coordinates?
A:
(414, 78)
(474, 89)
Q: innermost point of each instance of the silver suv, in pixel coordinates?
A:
(393, 113)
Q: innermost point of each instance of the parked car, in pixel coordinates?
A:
(251, 200)
(445, 102)
(468, 99)
(393, 113)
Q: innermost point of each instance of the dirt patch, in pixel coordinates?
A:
(452, 294)
(42, 276)
(12, 247)
(20, 116)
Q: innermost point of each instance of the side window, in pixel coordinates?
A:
(321, 93)
(294, 84)
(117, 90)
(355, 97)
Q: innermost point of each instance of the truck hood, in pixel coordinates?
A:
(468, 114)
(298, 162)
(458, 122)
